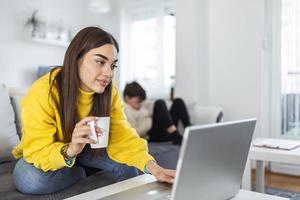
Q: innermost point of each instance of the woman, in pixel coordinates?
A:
(161, 126)
(55, 116)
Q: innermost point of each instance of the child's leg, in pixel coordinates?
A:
(179, 111)
(161, 121)
(161, 130)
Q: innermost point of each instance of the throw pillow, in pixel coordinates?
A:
(8, 133)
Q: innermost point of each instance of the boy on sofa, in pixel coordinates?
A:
(162, 125)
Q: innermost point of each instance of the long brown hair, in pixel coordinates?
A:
(67, 80)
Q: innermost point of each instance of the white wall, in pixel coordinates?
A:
(219, 55)
(20, 57)
(236, 29)
(192, 50)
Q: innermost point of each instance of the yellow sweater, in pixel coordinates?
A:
(42, 136)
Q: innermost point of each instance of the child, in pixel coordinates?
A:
(162, 125)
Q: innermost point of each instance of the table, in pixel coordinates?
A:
(272, 155)
(144, 179)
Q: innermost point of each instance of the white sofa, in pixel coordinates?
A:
(199, 115)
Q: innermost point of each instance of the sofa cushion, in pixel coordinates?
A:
(8, 133)
(16, 94)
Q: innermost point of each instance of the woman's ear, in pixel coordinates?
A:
(126, 98)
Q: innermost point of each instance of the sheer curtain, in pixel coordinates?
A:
(290, 67)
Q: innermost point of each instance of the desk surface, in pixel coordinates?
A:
(143, 179)
(275, 155)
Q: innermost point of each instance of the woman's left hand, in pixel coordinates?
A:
(161, 174)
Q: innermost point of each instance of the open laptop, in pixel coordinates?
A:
(210, 166)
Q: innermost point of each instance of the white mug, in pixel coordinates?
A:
(102, 140)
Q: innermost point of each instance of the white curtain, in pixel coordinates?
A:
(290, 67)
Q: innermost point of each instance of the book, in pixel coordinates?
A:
(277, 143)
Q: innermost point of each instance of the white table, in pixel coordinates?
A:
(144, 179)
(272, 155)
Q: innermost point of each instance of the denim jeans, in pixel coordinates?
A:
(31, 180)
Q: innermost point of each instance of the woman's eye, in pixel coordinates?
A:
(113, 66)
(101, 62)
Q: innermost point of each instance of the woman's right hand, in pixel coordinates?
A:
(80, 136)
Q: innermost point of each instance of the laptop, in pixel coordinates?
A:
(210, 166)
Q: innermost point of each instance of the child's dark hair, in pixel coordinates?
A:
(134, 89)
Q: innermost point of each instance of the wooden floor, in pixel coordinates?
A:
(280, 181)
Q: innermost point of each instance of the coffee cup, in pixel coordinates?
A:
(101, 140)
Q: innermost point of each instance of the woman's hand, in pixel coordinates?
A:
(80, 136)
(161, 174)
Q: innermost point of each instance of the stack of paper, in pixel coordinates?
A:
(277, 143)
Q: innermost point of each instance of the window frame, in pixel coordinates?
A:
(273, 9)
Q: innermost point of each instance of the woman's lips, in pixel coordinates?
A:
(103, 83)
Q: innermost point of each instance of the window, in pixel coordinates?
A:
(290, 67)
(148, 48)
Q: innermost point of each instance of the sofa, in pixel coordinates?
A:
(166, 155)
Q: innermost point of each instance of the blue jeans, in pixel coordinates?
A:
(31, 180)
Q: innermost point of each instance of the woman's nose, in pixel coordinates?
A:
(107, 71)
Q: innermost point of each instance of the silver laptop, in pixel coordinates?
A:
(210, 166)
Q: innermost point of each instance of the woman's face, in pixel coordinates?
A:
(96, 68)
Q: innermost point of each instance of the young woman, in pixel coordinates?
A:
(161, 126)
(55, 113)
